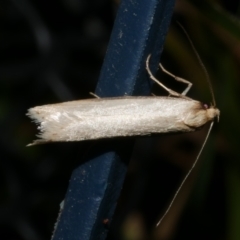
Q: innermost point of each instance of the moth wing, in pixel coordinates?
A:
(111, 117)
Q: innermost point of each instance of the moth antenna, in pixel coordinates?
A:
(186, 177)
(94, 95)
(201, 63)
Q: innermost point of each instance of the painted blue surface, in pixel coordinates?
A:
(140, 28)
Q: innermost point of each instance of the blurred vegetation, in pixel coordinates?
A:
(52, 52)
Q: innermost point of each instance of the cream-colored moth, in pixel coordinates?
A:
(101, 118)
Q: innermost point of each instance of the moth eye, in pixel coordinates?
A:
(205, 106)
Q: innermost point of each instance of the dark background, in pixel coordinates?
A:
(52, 52)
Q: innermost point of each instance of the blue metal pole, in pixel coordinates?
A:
(140, 29)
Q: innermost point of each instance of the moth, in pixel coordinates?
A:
(100, 118)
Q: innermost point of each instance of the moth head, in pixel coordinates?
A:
(212, 112)
(201, 115)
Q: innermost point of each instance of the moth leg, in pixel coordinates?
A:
(94, 95)
(178, 79)
(171, 92)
